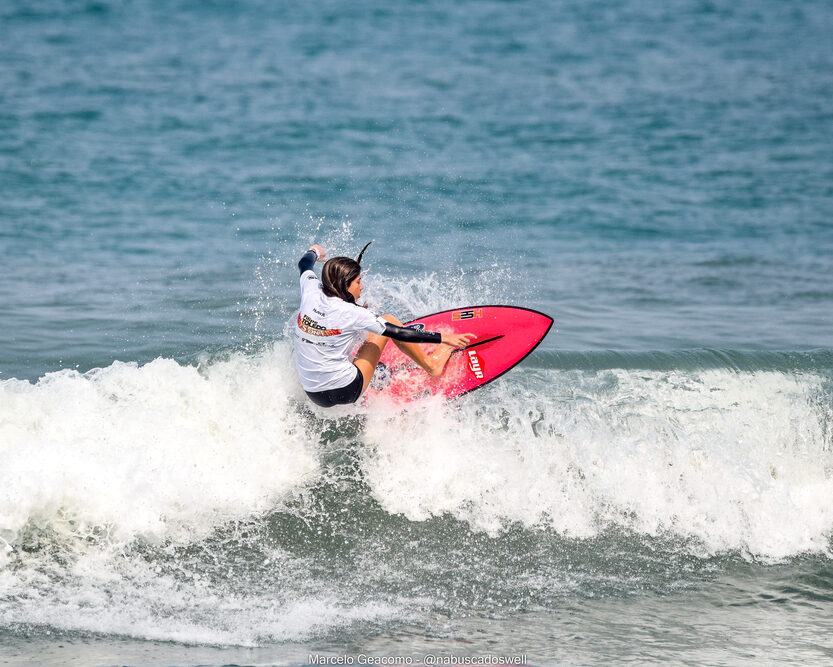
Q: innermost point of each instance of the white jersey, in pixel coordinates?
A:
(325, 327)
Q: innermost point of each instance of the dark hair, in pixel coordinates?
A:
(337, 275)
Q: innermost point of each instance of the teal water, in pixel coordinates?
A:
(653, 484)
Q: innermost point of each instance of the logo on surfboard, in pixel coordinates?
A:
(466, 314)
(475, 364)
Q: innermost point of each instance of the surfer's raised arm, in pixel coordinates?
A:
(315, 254)
(328, 321)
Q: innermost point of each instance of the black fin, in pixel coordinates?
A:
(359, 258)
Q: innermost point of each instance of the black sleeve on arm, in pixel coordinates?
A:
(411, 335)
(307, 261)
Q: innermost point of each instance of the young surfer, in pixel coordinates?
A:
(328, 321)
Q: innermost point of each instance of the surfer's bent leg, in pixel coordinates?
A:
(370, 352)
(368, 356)
(433, 364)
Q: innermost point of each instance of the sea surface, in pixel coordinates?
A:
(654, 484)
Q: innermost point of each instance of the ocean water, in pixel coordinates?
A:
(654, 484)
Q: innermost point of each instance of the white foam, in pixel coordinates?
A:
(738, 461)
(159, 450)
(108, 594)
(735, 460)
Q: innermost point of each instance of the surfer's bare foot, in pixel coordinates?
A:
(439, 359)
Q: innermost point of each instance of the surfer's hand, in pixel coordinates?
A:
(320, 252)
(458, 340)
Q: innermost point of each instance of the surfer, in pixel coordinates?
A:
(328, 321)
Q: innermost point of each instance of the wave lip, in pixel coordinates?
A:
(727, 459)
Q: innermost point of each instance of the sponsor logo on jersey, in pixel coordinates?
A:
(310, 326)
(475, 364)
(466, 314)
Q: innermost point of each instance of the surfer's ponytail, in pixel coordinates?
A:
(337, 275)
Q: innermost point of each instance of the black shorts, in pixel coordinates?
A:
(340, 396)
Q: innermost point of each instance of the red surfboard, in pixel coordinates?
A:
(505, 336)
